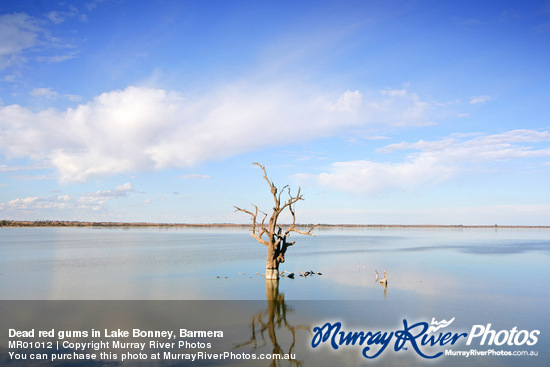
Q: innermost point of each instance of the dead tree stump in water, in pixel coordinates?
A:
(271, 234)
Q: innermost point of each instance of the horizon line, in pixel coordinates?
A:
(68, 223)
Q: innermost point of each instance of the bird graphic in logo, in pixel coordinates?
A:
(439, 325)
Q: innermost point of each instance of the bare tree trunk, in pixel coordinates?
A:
(271, 265)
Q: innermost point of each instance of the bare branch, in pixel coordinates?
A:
(292, 199)
(265, 216)
(259, 238)
(308, 233)
(272, 186)
(253, 233)
(280, 193)
(245, 211)
(293, 225)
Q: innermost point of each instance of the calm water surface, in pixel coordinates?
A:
(151, 263)
(478, 276)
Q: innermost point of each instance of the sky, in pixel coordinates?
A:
(382, 112)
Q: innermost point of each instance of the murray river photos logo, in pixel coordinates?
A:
(423, 338)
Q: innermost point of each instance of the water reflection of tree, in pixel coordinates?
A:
(273, 321)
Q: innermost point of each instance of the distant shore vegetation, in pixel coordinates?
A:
(64, 223)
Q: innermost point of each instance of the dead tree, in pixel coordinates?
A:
(272, 235)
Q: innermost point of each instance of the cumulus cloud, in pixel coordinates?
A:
(142, 128)
(432, 161)
(92, 200)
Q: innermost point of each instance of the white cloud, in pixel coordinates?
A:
(12, 78)
(195, 176)
(51, 94)
(91, 5)
(401, 108)
(480, 99)
(43, 92)
(349, 101)
(23, 203)
(92, 201)
(18, 32)
(71, 54)
(394, 92)
(6, 168)
(21, 33)
(366, 177)
(119, 191)
(73, 97)
(376, 137)
(142, 128)
(432, 162)
(481, 147)
(58, 17)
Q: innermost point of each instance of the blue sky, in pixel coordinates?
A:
(383, 112)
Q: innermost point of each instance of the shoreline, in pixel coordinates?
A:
(62, 223)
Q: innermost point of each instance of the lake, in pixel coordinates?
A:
(155, 276)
